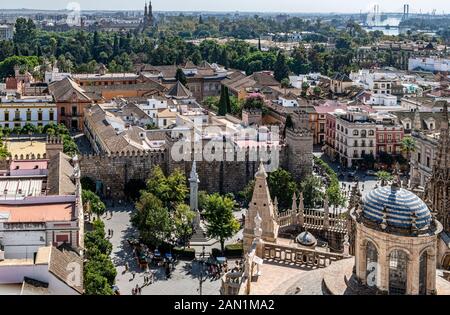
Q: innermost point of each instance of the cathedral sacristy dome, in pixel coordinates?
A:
(398, 206)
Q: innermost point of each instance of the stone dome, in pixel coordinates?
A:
(306, 239)
(401, 206)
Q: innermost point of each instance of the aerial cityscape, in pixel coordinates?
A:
(224, 148)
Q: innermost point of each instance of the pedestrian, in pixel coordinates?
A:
(133, 273)
(140, 290)
(133, 292)
(112, 232)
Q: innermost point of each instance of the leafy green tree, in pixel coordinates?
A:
(335, 196)
(183, 218)
(95, 284)
(311, 187)
(281, 69)
(102, 265)
(24, 62)
(202, 199)
(99, 271)
(171, 190)
(299, 62)
(317, 91)
(223, 102)
(180, 76)
(305, 87)
(152, 219)
(282, 186)
(221, 223)
(285, 84)
(93, 203)
(95, 241)
(246, 194)
(69, 146)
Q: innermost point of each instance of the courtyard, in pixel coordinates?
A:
(184, 279)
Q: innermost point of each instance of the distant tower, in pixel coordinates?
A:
(148, 15)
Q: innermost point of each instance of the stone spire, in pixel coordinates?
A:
(294, 202)
(261, 203)
(438, 192)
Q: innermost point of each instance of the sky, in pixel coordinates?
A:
(294, 6)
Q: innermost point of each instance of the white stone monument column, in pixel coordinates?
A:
(193, 194)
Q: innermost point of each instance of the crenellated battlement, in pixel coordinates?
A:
(129, 154)
(25, 157)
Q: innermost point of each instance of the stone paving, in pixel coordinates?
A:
(184, 279)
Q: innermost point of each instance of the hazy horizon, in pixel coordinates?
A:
(289, 6)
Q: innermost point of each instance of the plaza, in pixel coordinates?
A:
(184, 279)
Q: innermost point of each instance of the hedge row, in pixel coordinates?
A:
(232, 250)
(184, 253)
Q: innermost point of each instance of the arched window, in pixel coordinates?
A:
(398, 261)
(371, 264)
(423, 274)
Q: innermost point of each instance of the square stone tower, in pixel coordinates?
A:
(299, 140)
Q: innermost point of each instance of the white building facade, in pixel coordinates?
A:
(355, 137)
(19, 112)
(429, 64)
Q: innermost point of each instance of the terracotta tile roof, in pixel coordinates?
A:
(60, 266)
(115, 141)
(64, 91)
(264, 79)
(166, 113)
(179, 91)
(60, 173)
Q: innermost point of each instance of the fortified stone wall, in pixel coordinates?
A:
(116, 170)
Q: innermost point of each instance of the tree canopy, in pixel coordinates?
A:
(221, 223)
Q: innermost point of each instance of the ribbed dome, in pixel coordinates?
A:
(306, 239)
(401, 205)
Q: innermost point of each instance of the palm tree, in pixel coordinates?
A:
(408, 146)
(384, 177)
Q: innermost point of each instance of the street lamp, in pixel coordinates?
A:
(202, 269)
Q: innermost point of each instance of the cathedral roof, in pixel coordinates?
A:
(401, 207)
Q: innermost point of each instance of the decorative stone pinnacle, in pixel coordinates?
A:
(258, 230)
(261, 171)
